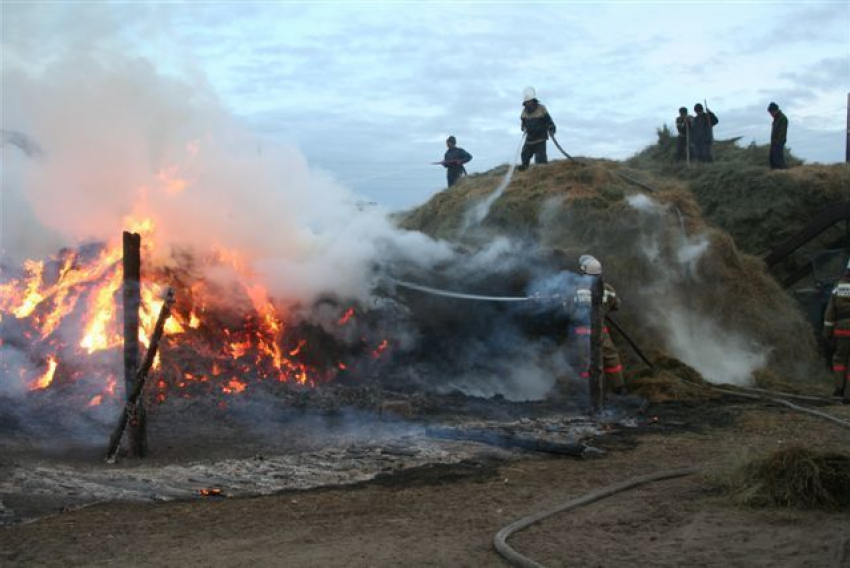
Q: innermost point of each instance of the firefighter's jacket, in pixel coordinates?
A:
(836, 319)
(578, 306)
(536, 124)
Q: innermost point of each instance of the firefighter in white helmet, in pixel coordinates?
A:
(538, 126)
(579, 309)
(836, 331)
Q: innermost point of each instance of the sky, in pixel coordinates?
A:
(368, 91)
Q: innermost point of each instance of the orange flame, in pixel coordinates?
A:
(44, 380)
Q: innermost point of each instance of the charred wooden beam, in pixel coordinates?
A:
(132, 264)
(139, 380)
(507, 440)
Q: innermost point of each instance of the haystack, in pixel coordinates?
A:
(685, 284)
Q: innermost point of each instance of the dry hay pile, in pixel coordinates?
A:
(793, 477)
(671, 381)
(674, 273)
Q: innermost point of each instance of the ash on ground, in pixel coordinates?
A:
(52, 460)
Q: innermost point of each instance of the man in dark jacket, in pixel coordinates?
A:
(454, 160)
(778, 134)
(702, 133)
(537, 125)
(683, 126)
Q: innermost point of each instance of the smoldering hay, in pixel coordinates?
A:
(687, 290)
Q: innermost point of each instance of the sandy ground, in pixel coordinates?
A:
(447, 515)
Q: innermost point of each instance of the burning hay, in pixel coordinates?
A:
(793, 477)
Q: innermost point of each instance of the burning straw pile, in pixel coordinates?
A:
(794, 477)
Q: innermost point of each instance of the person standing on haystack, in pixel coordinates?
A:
(453, 161)
(702, 133)
(683, 143)
(579, 307)
(538, 126)
(778, 134)
(836, 332)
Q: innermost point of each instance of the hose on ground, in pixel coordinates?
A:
(517, 559)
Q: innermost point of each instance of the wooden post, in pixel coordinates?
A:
(137, 443)
(597, 388)
(847, 143)
(135, 396)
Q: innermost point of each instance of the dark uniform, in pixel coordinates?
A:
(578, 307)
(702, 133)
(453, 161)
(537, 125)
(836, 328)
(683, 127)
(778, 134)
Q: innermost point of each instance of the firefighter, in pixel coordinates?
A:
(538, 126)
(836, 332)
(579, 308)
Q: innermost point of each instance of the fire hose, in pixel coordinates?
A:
(517, 559)
(478, 297)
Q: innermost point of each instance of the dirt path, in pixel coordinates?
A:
(447, 515)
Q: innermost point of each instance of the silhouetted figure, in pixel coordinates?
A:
(702, 133)
(778, 134)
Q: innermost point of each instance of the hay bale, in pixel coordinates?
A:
(794, 477)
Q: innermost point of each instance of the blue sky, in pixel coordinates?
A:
(368, 91)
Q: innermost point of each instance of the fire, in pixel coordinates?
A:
(234, 386)
(103, 310)
(44, 380)
(217, 340)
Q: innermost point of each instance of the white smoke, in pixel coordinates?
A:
(721, 355)
(122, 139)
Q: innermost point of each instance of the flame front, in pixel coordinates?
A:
(78, 294)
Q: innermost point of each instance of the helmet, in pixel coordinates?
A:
(772, 107)
(683, 110)
(451, 140)
(698, 107)
(528, 94)
(589, 265)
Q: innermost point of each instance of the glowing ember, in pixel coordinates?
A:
(380, 349)
(234, 386)
(346, 316)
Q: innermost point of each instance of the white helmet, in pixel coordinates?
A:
(528, 94)
(589, 265)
